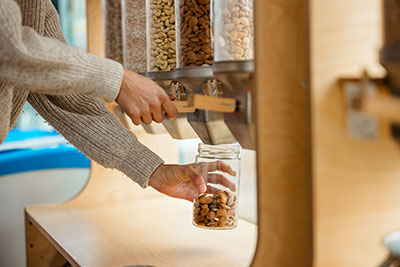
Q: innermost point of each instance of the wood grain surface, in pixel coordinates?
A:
(283, 134)
(114, 222)
(95, 30)
(129, 226)
(356, 182)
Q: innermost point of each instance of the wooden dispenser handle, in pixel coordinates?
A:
(382, 105)
(183, 107)
(219, 104)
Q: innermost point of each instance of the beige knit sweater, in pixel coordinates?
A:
(63, 84)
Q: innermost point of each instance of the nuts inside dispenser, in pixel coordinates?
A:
(193, 33)
(233, 30)
(161, 46)
(220, 166)
(134, 35)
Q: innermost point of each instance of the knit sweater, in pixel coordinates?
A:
(63, 84)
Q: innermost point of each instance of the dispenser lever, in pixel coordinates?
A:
(184, 107)
(212, 103)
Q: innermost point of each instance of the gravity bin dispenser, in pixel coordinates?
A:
(202, 54)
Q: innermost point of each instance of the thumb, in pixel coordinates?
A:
(197, 180)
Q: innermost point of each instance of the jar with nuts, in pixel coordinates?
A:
(233, 30)
(161, 45)
(220, 167)
(193, 33)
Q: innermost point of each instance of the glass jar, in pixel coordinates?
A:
(219, 165)
(392, 243)
(193, 37)
(161, 46)
(134, 34)
(233, 30)
(113, 29)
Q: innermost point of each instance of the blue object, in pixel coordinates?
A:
(31, 159)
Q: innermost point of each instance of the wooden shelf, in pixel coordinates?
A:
(114, 222)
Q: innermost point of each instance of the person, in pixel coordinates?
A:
(64, 83)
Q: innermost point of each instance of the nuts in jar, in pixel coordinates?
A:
(215, 210)
(233, 31)
(194, 36)
(161, 35)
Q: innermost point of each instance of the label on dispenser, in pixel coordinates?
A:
(359, 125)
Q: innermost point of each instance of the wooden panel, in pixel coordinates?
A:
(95, 30)
(356, 182)
(283, 134)
(39, 251)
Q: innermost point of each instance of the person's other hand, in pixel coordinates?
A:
(188, 181)
(143, 100)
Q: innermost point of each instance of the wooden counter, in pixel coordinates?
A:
(116, 223)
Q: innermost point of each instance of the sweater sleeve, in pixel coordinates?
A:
(87, 124)
(44, 65)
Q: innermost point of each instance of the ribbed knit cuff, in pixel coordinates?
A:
(139, 164)
(109, 74)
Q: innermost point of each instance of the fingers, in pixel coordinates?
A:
(220, 166)
(191, 194)
(136, 119)
(214, 178)
(146, 117)
(197, 179)
(170, 109)
(157, 114)
(212, 190)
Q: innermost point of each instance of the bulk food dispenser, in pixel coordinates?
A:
(134, 44)
(211, 94)
(233, 65)
(161, 61)
(194, 71)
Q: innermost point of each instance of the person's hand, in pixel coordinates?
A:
(188, 181)
(143, 100)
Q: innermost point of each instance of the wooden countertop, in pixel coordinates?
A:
(114, 222)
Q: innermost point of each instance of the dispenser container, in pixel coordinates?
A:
(134, 34)
(233, 31)
(161, 45)
(193, 33)
(113, 29)
(217, 208)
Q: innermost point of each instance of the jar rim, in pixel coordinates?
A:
(221, 149)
